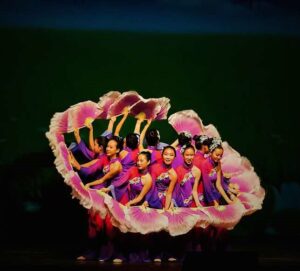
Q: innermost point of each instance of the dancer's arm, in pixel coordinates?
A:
(121, 123)
(169, 192)
(197, 175)
(143, 133)
(220, 187)
(114, 169)
(146, 188)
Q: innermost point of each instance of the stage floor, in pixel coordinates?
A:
(262, 255)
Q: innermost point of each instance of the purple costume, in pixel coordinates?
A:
(209, 176)
(185, 183)
(136, 186)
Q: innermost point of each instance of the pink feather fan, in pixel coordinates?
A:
(98, 202)
(79, 113)
(59, 122)
(106, 101)
(126, 99)
(186, 121)
(145, 220)
(165, 105)
(149, 107)
(181, 220)
(117, 212)
(225, 216)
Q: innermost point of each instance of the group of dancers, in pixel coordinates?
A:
(148, 200)
(141, 170)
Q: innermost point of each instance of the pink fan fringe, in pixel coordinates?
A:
(78, 113)
(126, 99)
(146, 220)
(106, 101)
(186, 121)
(148, 106)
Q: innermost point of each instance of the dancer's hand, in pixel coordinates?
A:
(88, 185)
(105, 190)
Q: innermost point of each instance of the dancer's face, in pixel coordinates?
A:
(97, 148)
(168, 156)
(188, 156)
(217, 154)
(142, 162)
(111, 149)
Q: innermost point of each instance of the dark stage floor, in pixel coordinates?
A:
(268, 254)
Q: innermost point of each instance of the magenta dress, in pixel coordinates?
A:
(94, 171)
(136, 186)
(185, 181)
(118, 184)
(209, 176)
(161, 182)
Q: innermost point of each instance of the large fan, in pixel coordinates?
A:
(106, 101)
(127, 99)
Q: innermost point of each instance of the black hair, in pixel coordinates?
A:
(187, 146)
(147, 154)
(102, 141)
(184, 138)
(132, 140)
(152, 137)
(199, 142)
(119, 141)
(169, 147)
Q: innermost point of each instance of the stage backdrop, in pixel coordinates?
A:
(245, 85)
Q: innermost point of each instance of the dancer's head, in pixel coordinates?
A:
(216, 149)
(114, 146)
(132, 141)
(188, 153)
(168, 155)
(143, 160)
(152, 137)
(184, 138)
(202, 143)
(100, 144)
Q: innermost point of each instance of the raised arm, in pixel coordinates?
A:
(77, 135)
(121, 123)
(143, 133)
(89, 125)
(175, 143)
(111, 123)
(140, 118)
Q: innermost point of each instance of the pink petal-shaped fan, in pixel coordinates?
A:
(127, 99)
(80, 190)
(164, 108)
(186, 121)
(149, 107)
(248, 181)
(181, 220)
(98, 202)
(62, 162)
(59, 122)
(145, 220)
(251, 202)
(211, 131)
(106, 101)
(80, 112)
(225, 216)
(117, 212)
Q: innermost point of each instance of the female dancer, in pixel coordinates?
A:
(188, 177)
